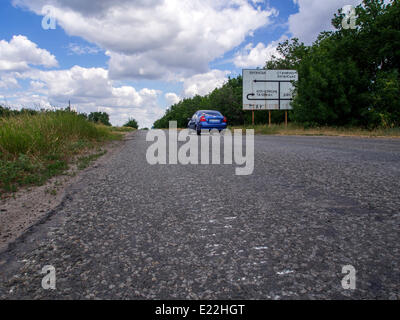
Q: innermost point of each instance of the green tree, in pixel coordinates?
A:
(100, 117)
(132, 123)
(227, 100)
(291, 53)
(348, 76)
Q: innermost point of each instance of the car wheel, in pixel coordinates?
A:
(198, 131)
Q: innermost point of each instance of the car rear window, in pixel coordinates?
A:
(212, 113)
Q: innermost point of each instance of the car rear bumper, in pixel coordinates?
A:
(209, 126)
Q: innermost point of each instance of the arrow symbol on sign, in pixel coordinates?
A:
(256, 99)
(265, 99)
(276, 81)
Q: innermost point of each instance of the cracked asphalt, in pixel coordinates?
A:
(129, 230)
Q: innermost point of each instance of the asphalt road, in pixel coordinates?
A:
(129, 230)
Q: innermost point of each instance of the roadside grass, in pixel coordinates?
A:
(122, 129)
(295, 129)
(34, 148)
(84, 162)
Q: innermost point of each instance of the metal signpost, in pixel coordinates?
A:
(268, 90)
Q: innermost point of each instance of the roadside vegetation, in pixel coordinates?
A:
(296, 129)
(122, 129)
(349, 80)
(99, 117)
(37, 145)
(132, 123)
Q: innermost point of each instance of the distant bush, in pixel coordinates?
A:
(7, 112)
(100, 117)
(132, 123)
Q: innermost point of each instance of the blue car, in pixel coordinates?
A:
(207, 120)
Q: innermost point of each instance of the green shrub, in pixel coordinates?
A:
(132, 123)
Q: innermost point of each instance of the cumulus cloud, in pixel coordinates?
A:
(8, 81)
(172, 40)
(37, 86)
(253, 57)
(20, 52)
(315, 16)
(90, 8)
(204, 83)
(158, 39)
(25, 99)
(171, 98)
(90, 89)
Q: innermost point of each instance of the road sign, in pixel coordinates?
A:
(268, 89)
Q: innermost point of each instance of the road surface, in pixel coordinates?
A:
(129, 230)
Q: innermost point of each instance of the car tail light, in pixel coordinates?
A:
(225, 120)
(203, 119)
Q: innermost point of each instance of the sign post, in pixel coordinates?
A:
(268, 90)
(286, 118)
(269, 118)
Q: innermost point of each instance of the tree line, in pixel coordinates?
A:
(96, 117)
(347, 77)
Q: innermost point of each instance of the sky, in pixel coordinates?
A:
(135, 58)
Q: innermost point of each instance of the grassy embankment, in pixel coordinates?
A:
(294, 129)
(34, 148)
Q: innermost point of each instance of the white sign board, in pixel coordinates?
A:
(268, 89)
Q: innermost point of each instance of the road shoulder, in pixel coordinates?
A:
(32, 205)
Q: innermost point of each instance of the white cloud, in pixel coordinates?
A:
(171, 98)
(90, 8)
(8, 81)
(202, 84)
(26, 99)
(77, 81)
(158, 39)
(20, 52)
(90, 89)
(37, 86)
(315, 16)
(119, 116)
(172, 40)
(252, 57)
